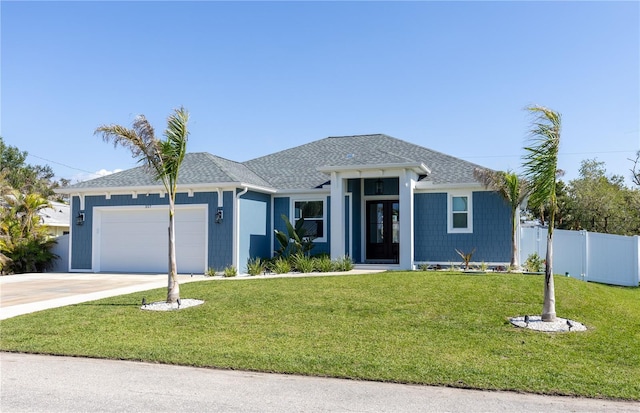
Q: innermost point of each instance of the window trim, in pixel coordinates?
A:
(450, 212)
(292, 213)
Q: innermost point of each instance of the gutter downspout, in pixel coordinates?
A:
(236, 228)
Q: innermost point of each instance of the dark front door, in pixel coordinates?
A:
(383, 231)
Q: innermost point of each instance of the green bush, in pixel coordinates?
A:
(281, 265)
(534, 263)
(255, 266)
(323, 263)
(302, 263)
(230, 271)
(343, 263)
(28, 255)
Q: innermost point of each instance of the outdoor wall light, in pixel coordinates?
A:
(219, 215)
(379, 187)
(80, 218)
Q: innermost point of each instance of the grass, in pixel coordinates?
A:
(410, 327)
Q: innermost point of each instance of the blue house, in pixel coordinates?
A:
(380, 200)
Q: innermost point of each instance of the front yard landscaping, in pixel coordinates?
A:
(436, 328)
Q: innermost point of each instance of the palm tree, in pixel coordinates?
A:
(514, 190)
(163, 158)
(541, 169)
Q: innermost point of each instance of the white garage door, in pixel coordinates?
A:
(137, 240)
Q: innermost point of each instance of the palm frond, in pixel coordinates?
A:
(541, 157)
(174, 148)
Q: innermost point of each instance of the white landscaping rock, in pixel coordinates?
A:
(558, 326)
(164, 306)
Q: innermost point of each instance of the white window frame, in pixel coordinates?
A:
(450, 212)
(292, 214)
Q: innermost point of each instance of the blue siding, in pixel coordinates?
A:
(255, 236)
(356, 219)
(220, 235)
(491, 235)
(281, 207)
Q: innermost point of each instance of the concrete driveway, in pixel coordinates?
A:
(28, 293)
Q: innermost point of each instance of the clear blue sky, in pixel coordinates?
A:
(259, 77)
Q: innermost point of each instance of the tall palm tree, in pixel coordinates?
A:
(514, 190)
(541, 169)
(163, 158)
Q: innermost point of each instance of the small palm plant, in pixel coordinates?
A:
(466, 257)
(295, 240)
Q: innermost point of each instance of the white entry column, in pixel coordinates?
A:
(407, 185)
(337, 216)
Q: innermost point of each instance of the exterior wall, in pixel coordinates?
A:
(281, 206)
(354, 187)
(255, 234)
(491, 235)
(220, 236)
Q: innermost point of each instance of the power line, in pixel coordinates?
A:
(59, 163)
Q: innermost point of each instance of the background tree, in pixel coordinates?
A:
(514, 190)
(635, 170)
(541, 170)
(163, 158)
(24, 243)
(27, 178)
(601, 203)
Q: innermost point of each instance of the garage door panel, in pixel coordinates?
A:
(137, 240)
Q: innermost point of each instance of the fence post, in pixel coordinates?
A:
(637, 257)
(585, 255)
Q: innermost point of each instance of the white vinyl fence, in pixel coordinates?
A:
(588, 256)
(62, 250)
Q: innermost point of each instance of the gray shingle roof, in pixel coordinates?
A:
(196, 168)
(297, 168)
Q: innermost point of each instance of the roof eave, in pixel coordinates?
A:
(417, 167)
(202, 187)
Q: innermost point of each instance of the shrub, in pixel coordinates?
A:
(210, 272)
(28, 255)
(281, 266)
(255, 266)
(302, 263)
(323, 263)
(534, 263)
(230, 271)
(343, 263)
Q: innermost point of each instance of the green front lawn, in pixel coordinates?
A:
(410, 327)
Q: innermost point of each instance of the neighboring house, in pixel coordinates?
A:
(380, 200)
(55, 219)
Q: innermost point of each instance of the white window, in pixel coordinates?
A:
(460, 213)
(313, 213)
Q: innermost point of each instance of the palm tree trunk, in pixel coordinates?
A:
(515, 262)
(549, 306)
(173, 288)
